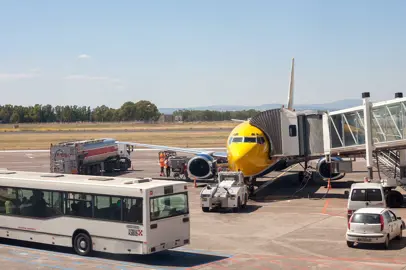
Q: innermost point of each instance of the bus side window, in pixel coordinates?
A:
(8, 201)
(107, 207)
(78, 204)
(133, 212)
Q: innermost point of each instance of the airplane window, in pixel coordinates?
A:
(250, 139)
(237, 139)
(230, 140)
(261, 140)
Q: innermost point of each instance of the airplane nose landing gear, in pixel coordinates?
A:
(250, 182)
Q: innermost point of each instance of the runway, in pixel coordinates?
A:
(296, 233)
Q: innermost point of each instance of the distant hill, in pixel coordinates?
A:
(332, 106)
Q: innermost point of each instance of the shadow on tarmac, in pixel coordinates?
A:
(247, 210)
(393, 245)
(289, 187)
(170, 258)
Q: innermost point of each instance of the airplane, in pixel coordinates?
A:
(248, 151)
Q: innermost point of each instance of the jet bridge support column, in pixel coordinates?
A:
(368, 133)
(402, 165)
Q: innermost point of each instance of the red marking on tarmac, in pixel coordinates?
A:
(325, 207)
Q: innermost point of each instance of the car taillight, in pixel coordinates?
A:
(349, 223)
(382, 223)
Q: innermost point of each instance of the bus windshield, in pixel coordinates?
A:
(169, 206)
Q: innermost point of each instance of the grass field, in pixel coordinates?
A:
(42, 140)
(124, 126)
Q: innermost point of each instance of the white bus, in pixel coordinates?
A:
(107, 214)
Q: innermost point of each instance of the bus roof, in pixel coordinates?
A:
(123, 186)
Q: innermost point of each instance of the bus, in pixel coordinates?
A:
(94, 213)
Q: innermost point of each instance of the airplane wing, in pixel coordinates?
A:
(178, 149)
(238, 120)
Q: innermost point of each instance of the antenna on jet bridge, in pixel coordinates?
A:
(292, 81)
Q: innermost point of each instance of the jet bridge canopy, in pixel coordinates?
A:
(291, 133)
(345, 130)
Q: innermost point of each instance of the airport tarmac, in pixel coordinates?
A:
(278, 231)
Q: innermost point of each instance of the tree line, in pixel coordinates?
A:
(207, 115)
(142, 110)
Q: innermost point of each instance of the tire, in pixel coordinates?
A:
(205, 209)
(245, 200)
(350, 244)
(386, 244)
(399, 237)
(82, 244)
(394, 199)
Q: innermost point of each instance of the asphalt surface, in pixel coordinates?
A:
(282, 229)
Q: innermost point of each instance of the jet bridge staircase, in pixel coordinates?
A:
(387, 163)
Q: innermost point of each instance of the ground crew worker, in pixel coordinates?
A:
(168, 168)
(185, 170)
(162, 163)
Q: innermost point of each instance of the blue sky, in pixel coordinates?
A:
(196, 53)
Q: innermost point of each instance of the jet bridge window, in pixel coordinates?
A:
(292, 130)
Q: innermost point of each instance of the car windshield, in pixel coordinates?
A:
(366, 218)
(369, 194)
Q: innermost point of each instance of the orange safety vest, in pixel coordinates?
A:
(161, 161)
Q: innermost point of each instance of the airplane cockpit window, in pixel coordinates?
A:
(250, 139)
(261, 140)
(230, 140)
(237, 139)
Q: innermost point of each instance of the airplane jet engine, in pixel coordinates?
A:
(323, 168)
(200, 166)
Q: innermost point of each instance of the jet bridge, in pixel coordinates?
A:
(368, 128)
(348, 131)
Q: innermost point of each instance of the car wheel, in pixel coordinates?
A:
(245, 200)
(386, 244)
(399, 237)
(350, 244)
(205, 209)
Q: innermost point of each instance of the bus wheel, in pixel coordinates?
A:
(82, 244)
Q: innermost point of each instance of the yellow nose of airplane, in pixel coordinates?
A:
(239, 157)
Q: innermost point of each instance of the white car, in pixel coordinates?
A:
(374, 226)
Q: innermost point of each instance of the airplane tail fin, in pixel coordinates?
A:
(292, 81)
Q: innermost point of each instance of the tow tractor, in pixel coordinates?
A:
(229, 192)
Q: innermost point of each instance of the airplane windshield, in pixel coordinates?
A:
(257, 140)
(250, 139)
